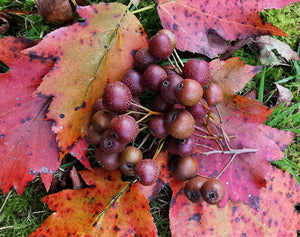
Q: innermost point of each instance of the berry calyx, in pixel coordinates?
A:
(213, 191)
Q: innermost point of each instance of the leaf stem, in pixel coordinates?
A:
(226, 166)
(144, 9)
(177, 69)
(176, 63)
(178, 58)
(114, 199)
(231, 151)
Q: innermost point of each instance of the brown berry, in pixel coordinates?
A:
(192, 189)
(129, 157)
(213, 94)
(186, 168)
(213, 191)
(180, 123)
(189, 92)
(147, 172)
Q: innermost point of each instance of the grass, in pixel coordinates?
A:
(20, 215)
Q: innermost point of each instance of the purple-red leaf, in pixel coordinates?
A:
(205, 26)
(275, 216)
(27, 144)
(241, 119)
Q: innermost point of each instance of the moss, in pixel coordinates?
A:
(286, 19)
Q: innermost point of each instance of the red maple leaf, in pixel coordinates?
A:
(27, 145)
(88, 55)
(205, 26)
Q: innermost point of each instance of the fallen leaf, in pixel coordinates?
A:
(276, 215)
(204, 26)
(243, 178)
(242, 119)
(109, 208)
(284, 96)
(267, 45)
(80, 151)
(76, 181)
(232, 75)
(27, 145)
(88, 55)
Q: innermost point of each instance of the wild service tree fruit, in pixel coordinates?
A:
(147, 172)
(213, 191)
(189, 92)
(132, 79)
(160, 46)
(116, 97)
(101, 120)
(109, 161)
(170, 34)
(197, 70)
(125, 127)
(109, 142)
(93, 135)
(128, 159)
(180, 123)
(168, 88)
(142, 59)
(192, 189)
(213, 94)
(185, 168)
(152, 77)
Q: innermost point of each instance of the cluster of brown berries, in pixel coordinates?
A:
(180, 96)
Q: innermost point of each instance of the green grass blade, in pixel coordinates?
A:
(262, 85)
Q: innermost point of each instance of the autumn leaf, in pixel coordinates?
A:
(27, 145)
(88, 55)
(205, 26)
(80, 151)
(275, 216)
(232, 75)
(251, 144)
(111, 207)
(268, 45)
